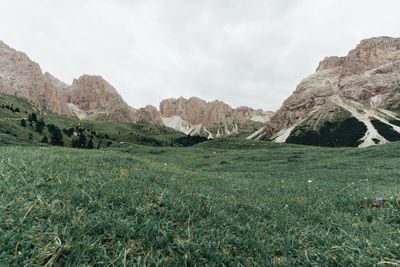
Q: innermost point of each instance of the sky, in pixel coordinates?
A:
(243, 52)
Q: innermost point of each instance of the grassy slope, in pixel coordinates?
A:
(226, 201)
(395, 107)
(11, 131)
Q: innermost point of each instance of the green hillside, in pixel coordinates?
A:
(225, 202)
(35, 131)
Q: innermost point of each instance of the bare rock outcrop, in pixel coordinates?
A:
(149, 114)
(212, 115)
(369, 53)
(95, 95)
(22, 77)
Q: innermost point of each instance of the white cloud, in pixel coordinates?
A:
(244, 52)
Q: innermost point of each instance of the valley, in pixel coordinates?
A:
(86, 179)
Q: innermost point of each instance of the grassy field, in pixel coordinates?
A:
(225, 202)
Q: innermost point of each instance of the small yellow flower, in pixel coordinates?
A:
(309, 181)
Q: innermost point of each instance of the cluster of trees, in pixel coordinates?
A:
(332, 134)
(33, 119)
(81, 141)
(56, 136)
(11, 107)
(84, 138)
(86, 141)
(190, 140)
(69, 132)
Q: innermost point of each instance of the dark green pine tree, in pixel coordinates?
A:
(90, 144)
(56, 138)
(40, 125)
(82, 140)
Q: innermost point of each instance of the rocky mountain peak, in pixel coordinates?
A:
(14, 63)
(93, 92)
(364, 85)
(368, 53)
(20, 76)
(373, 51)
(94, 83)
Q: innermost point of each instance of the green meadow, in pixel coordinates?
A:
(227, 202)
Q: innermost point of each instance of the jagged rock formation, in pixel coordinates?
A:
(97, 99)
(213, 119)
(93, 98)
(149, 114)
(89, 97)
(363, 85)
(22, 77)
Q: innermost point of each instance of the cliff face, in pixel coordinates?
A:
(197, 111)
(93, 94)
(22, 77)
(366, 80)
(87, 97)
(369, 53)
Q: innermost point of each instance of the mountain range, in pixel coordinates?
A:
(93, 98)
(349, 101)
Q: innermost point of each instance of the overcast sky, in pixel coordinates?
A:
(243, 52)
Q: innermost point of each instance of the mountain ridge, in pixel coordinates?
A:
(364, 83)
(358, 91)
(91, 97)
